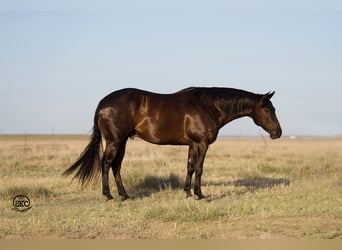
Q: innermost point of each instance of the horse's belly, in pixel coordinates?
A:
(171, 132)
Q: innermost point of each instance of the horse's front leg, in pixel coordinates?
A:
(190, 172)
(197, 187)
(197, 152)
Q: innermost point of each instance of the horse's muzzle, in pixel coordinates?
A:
(275, 134)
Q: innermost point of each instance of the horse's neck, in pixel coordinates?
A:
(236, 108)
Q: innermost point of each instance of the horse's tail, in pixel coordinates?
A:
(88, 165)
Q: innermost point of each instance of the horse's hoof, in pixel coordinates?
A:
(123, 198)
(201, 197)
(109, 198)
(188, 195)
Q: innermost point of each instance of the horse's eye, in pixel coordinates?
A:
(267, 110)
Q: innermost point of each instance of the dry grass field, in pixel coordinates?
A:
(257, 188)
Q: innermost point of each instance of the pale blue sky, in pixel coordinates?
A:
(58, 61)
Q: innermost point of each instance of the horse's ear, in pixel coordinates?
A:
(268, 95)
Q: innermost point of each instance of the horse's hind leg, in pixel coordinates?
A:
(109, 155)
(116, 167)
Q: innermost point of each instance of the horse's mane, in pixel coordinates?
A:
(230, 99)
(186, 89)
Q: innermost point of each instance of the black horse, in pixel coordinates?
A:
(192, 116)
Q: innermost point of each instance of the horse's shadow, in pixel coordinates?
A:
(249, 185)
(152, 184)
(254, 183)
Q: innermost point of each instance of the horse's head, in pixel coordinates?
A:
(264, 115)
